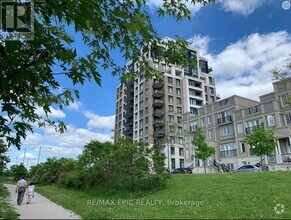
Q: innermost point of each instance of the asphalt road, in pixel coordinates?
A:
(39, 208)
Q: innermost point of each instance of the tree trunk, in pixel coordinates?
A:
(261, 167)
(204, 164)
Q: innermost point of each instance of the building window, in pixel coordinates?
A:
(146, 120)
(171, 128)
(172, 140)
(178, 91)
(228, 150)
(170, 89)
(171, 118)
(211, 90)
(182, 163)
(170, 99)
(210, 80)
(192, 101)
(141, 123)
(287, 119)
(253, 110)
(211, 134)
(283, 99)
(140, 113)
(209, 119)
(193, 111)
(170, 80)
(178, 82)
(270, 120)
(173, 163)
(156, 65)
(179, 110)
(212, 99)
(240, 128)
(171, 108)
(164, 67)
(180, 130)
(179, 119)
(225, 130)
(181, 151)
(202, 121)
(180, 141)
(223, 102)
(140, 133)
(172, 150)
(242, 147)
(191, 82)
(179, 101)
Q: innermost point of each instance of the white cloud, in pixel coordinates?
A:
(159, 3)
(99, 122)
(200, 42)
(74, 137)
(55, 113)
(244, 66)
(243, 7)
(27, 156)
(75, 106)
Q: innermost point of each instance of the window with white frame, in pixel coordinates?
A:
(170, 89)
(170, 99)
(240, 128)
(228, 150)
(211, 133)
(271, 120)
(283, 99)
(192, 101)
(171, 118)
(193, 111)
(156, 65)
(202, 121)
(226, 130)
(180, 141)
(209, 119)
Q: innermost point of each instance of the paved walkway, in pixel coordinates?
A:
(39, 208)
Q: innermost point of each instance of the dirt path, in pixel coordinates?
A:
(40, 207)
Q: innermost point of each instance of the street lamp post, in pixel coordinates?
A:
(24, 155)
(40, 152)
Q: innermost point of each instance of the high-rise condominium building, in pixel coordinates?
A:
(148, 110)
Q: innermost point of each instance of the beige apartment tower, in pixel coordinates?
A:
(152, 111)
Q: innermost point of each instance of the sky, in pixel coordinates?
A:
(243, 41)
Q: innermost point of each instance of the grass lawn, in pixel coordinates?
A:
(240, 195)
(6, 210)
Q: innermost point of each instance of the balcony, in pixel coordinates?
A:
(128, 114)
(128, 131)
(158, 93)
(157, 143)
(193, 128)
(129, 106)
(158, 113)
(224, 120)
(159, 134)
(129, 97)
(129, 122)
(158, 123)
(158, 103)
(249, 130)
(157, 84)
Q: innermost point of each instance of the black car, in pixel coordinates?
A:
(182, 170)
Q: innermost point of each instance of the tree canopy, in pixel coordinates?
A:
(202, 149)
(26, 67)
(262, 142)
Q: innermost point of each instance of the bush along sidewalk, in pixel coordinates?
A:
(6, 209)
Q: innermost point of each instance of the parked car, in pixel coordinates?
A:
(182, 170)
(247, 168)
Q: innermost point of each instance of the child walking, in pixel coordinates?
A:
(30, 192)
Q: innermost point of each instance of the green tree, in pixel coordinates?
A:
(202, 149)
(122, 165)
(18, 171)
(27, 79)
(262, 142)
(3, 158)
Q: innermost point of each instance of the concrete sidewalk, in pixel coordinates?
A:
(39, 208)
